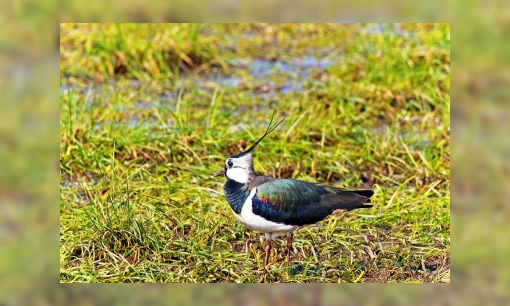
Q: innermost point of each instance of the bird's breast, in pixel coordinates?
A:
(236, 195)
(258, 223)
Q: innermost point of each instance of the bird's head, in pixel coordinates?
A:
(240, 167)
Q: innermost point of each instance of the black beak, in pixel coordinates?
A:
(221, 172)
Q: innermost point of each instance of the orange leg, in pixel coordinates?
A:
(268, 251)
(289, 247)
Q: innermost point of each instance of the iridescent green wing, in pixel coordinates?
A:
(297, 203)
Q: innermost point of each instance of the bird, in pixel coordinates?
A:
(277, 207)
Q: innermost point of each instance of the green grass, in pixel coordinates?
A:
(138, 200)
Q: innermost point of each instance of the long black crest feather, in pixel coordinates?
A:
(268, 131)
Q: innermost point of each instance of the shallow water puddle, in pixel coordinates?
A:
(266, 79)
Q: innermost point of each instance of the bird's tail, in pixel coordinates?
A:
(367, 193)
(353, 199)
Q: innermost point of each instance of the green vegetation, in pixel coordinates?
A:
(150, 112)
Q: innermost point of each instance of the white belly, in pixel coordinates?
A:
(257, 223)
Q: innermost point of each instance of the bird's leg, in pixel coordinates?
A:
(268, 249)
(289, 247)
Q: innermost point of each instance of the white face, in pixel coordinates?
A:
(238, 169)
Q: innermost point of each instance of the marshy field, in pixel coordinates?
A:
(149, 112)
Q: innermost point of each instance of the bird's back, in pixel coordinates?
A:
(296, 202)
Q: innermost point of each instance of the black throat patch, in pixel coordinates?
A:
(236, 194)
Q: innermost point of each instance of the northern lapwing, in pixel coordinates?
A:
(278, 206)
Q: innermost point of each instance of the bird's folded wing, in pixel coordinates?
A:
(295, 202)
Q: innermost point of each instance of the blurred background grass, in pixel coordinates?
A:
(29, 142)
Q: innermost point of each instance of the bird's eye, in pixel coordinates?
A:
(230, 163)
